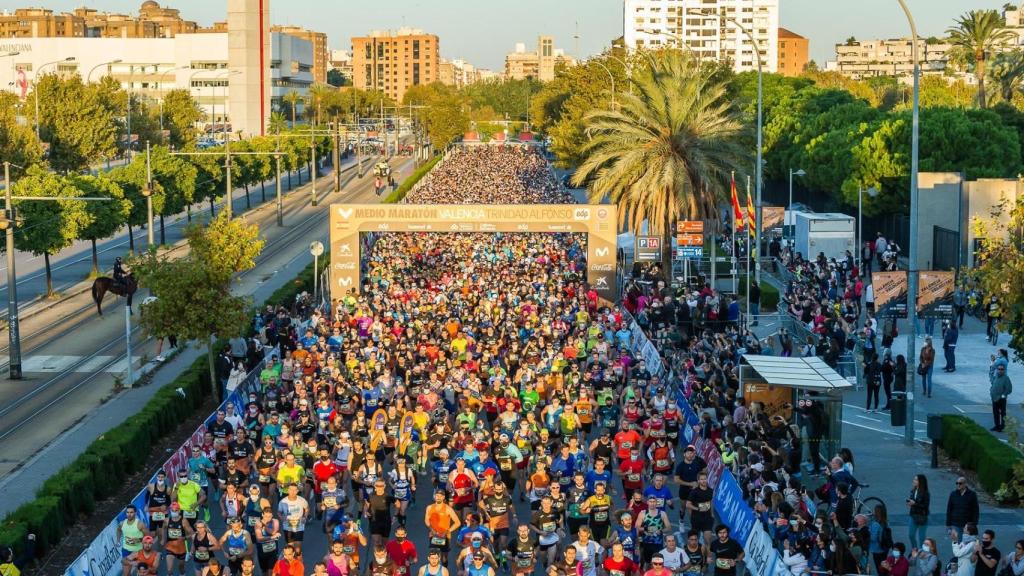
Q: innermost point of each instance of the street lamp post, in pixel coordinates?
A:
(908, 432)
(14, 366)
(789, 208)
(35, 87)
(88, 77)
(148, 193)
(872, 192)
(611, 76)
(163, 92)
(757, 169)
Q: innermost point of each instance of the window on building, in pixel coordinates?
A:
(416, 49)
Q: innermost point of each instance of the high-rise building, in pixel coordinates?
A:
(153, 21)
(459, 73)
(321, 54)
(539, 64)
(708, 28)
(394, 61)
(249, 60)
(793, 53)
(893, 57)
(341, 60)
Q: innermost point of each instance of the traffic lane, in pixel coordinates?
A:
(75, 262)
(77, 391)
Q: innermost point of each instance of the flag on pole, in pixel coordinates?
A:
(751, 216)
(737, 211)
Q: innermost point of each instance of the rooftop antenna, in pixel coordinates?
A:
(576, 37)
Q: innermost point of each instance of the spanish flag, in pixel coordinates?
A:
(737, 211)
(751, 216)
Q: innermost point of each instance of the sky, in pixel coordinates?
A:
(483, 31)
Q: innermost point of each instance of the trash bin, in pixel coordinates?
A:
(898, 409)
(935, 427)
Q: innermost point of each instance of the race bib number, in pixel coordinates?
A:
(633, 477)
(264, 479)
(505, 465)
(157, 516)
(235, 551)
(661, 464)
(549, 527)
(132, 541)
(601, 516)
(174, 534)
(330, 502)
(251, 520)
(202, 555)
(722, 563)
(438, 540)
(269, 546)
(191, 514)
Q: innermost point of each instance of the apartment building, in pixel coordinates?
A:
(394, 61)
(321, 54)
(724, 30)
(891, 57)
(153, 21)
(793, 53)
(539, 64)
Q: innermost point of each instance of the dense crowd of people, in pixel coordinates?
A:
(477, 409)
(491, 175)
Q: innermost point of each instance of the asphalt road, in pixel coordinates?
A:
(73, 264)
(72, 356)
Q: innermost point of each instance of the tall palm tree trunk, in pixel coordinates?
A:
(979, 72)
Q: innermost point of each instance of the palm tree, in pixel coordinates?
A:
(319, 95)
(1007, 71)
(292, 99)
(976, 36)
(277, 123)
(666, 150)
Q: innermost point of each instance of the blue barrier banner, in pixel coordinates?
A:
(732, 510)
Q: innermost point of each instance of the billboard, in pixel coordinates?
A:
(772, 218)
(349, 221)
(935, 293)
(890, 290)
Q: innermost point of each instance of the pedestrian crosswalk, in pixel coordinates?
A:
(42, 364)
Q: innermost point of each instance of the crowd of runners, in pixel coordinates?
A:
(491, 175)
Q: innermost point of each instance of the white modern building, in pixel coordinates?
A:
(711, 29)
(150, 67)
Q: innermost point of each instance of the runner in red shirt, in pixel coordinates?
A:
(462, 483)
(322, 470)
(625, 441)
(402, 551)
(632, 471)
(618, 564)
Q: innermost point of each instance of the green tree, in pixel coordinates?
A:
(132, 180)
(106, 217)
(666, 151)
(209, 178)
(1001, 267)
(193, 298)
(319, 96)
(278, 123)
(337, 79)
(181, 113)
(508, 99)
(1007, 72)
(176, 178)
(49, 225)
(976, 37)
(18, 143)
(75, 121)
(290, 103)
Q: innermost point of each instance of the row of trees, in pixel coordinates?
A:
(178, 183)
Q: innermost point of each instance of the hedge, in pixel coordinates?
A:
(977, 449)
(120, 452)
(769, 295)
(399, 194)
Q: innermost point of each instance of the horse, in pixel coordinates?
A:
(103, 284)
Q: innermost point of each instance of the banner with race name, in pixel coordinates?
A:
(103, 556)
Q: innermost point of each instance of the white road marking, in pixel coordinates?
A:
(52, 364)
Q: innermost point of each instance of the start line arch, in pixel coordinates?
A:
(349, 222)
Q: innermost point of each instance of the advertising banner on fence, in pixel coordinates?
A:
(890, 294)
(103, 556)
(772, 218)
(935, 293)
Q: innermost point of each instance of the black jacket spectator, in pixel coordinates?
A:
(962, 508)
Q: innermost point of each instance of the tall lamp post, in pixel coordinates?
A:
(35, 87)
(88, 77)
(908, 432)
(872, 192)
(789, 208)
(611, 76)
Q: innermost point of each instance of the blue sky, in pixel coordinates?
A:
(482, 31)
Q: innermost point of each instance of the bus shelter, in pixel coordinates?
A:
(807, 392)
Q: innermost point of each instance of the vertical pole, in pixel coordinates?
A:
(277, 185)
(149, 199)
(227, 180)
(750, 254)
(908, 432)
(128, 145)
(128, 342)
(758, 184)
(35, 91)
(860, 221)
(13, 335)
(312, 171)
(789, 207)
(336, 156)
(316, 274)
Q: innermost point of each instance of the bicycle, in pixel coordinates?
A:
(866, 506)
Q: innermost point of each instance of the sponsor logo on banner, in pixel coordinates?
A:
(581, 214)
(602, 282)
(601, 267)
(345, 212)
(601, 251)
(345, 250)
(345, 281)
(345, 266)
(101, 558)
(732, 509)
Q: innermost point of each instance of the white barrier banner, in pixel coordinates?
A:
(102, 557)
